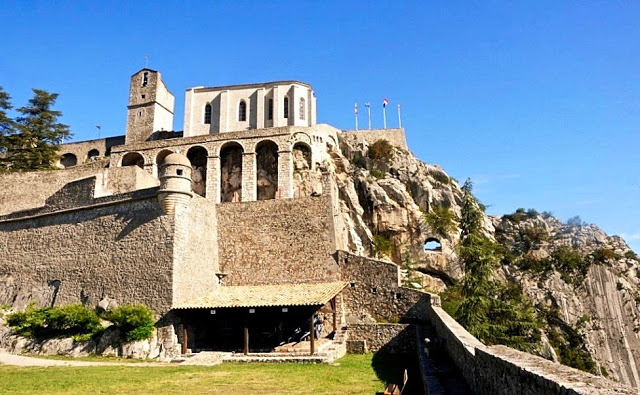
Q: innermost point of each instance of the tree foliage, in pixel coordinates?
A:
(30, 142)
(442, 220)
(493, 312)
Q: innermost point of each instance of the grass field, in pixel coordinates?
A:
(352, 374)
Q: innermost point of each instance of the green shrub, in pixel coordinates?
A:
(440, 177)
(575, 221)
(535, 265)
(533, 235)
(567, 259)
(359, 160)
(382, 244)
(630, 255)
(604, 255)
(377, 173)
(135, 322)
(381, 150)
(442, 220)
(50, 322)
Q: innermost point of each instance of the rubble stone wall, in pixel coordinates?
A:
(391, 338)
(276, 241)
(375, 294)
(394, 136)
(122, 250)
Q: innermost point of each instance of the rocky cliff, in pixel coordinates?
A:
(582, 282)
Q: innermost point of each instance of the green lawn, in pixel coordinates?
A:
(352, 374)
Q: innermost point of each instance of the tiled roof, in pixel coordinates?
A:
(266, 295)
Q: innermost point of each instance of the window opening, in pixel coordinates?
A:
(270, 112)
(242, 111)
(179, 172)
(145, 79)
(207, 114)
(286, 107)
(302, 108)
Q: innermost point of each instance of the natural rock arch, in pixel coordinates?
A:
(266, 169)
(432, 244)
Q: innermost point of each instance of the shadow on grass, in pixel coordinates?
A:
(390, 367)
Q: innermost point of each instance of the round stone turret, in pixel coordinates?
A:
(175, 182)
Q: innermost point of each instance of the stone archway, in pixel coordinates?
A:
(266, 170)
(133, 159)
(231, 172)
(198, 157)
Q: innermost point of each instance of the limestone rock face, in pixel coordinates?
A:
(382, 203)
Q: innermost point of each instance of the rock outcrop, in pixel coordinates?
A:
(383, 205)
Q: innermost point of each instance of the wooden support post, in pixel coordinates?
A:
(185, 338)
(246, 335)
(312, 340)
(334, 307)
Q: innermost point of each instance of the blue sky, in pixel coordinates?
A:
(537, 102)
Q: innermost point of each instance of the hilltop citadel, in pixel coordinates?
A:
(234, 232)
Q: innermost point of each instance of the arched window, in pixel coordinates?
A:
(198, 157)
(145, 79)
(267, 169)
(68, 160)
(286, 107)
(242, 111)
(302, 108)
(231, 172)
(93, 155)
(270, 109)
(133, 159)
(207, 114)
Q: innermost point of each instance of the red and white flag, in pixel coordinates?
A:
(385, 102)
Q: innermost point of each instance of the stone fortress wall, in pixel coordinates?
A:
(277, 241)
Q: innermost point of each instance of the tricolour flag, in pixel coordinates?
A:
(385, 102)
(355, 108)
(367, 104)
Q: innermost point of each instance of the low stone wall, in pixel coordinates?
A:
(391, 338)
(503, 370)
(374, 293)
(394, 136)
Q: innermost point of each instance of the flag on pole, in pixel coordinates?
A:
(385, 102)
(355, 108)
(98, 127)
(367, 104)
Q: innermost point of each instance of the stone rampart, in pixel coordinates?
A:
(121, 250)
(394, 136)
(503, 370)
(276, 241)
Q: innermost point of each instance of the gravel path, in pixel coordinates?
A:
(20, 360)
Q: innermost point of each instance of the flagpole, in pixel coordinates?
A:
(355, 110)
(399, 118)
(368, 105)
(384, 116)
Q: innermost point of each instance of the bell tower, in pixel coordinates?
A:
(150, 107)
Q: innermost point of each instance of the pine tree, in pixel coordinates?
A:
(493, 312)
(32, 142)
(6, 123)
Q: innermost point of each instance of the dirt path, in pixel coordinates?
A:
(20, 360)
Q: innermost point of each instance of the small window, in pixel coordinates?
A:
(145, 79)
(242, 111)
(207, 114)
(286, 107)
(143, 96)
(179, 172)
(374, 290)
(302, 108)
(352, 284)
(270, 109)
